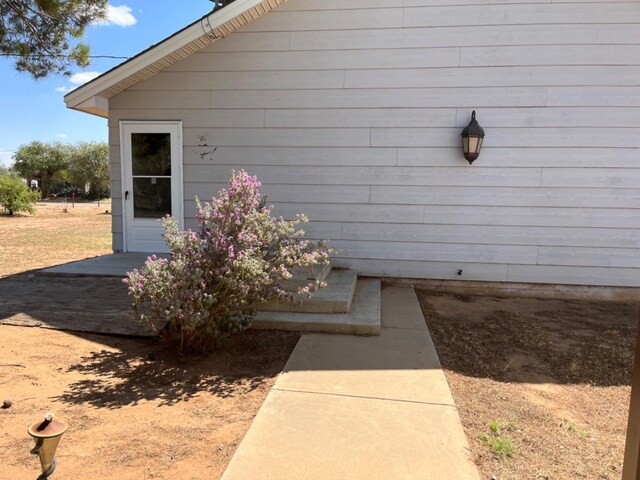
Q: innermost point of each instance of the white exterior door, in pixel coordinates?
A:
(151, 182)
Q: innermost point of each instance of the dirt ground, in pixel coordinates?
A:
(542, 385)
(53, 236)
(135, 411)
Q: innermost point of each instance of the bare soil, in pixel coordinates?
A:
(542, 385)
(135, 410)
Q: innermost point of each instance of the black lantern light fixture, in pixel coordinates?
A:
(472, 137)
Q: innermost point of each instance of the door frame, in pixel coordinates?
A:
(176, 171)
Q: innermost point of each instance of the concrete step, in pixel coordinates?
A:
(362, 319)
(302, 276)
(336, 297)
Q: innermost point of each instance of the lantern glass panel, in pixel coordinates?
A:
(473, 144)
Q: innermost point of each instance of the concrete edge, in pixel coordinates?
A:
(316, 327)
(513, 289)
(352, 293)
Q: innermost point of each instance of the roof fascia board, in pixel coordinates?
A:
(170, 45)
(95, 105)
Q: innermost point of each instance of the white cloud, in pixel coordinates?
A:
(120, 15)
(61, 135)
(82, 77)
(77, 79)
(5, 157)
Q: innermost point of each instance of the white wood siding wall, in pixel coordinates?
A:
(351, 111)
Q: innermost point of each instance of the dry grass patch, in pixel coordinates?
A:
(52, 237)
(542, 385)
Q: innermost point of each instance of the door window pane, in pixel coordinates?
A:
(151, 154)
(151, 197)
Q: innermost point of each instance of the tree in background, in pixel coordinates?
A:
(46, 161)
(15, 196)
(89, 167)
(42, 33)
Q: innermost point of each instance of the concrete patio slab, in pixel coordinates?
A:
(396, 366)
(92, 305)
(310, 436)
(112, 265)
(363, 319)
(360, 408)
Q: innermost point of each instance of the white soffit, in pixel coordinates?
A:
(93, 96)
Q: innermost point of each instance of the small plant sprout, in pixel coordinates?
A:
(495, 426)
(582, 433)
(499, 444)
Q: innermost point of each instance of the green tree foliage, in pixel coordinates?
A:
(46, 161)
(43, 34)
(89, 166)
(15, 196)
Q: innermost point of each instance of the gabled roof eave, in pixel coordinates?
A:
(93, 96)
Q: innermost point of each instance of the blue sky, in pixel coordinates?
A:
(34, 109)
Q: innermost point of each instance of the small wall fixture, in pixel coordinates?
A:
(472, 137)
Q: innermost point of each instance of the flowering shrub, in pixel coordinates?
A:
(211, 285)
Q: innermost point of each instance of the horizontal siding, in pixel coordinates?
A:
(486, 76)
(485, 13)
(439, 252)
(320, 60)
(350, 111)
(539, 156)
(463, 215)
(492, 76)
(444, 36)
(508, 196)
(493, 235)
(291, 193)
(391, 176)
(343, 98)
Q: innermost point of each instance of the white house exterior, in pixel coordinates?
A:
(351, 111)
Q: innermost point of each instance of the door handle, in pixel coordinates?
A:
(126, 195)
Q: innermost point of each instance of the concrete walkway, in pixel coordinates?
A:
(360, 408)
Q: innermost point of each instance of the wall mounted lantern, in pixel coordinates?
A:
(472, 137)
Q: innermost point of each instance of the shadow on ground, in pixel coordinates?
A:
(533, 340)
(134, 370)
